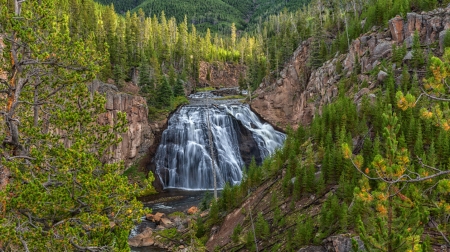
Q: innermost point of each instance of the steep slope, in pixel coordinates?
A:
(300, 91)
(273, 210)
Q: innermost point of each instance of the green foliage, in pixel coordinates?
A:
(164, 94)
(304, 231)
(61, 192)
(214, 212)
(417, 60)
(262, 229)
(201, 230)
(178, 89)
(236, 233)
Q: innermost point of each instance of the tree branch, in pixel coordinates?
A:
(90, 249)
(433, 97)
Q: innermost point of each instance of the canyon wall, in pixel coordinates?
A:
(219, 74)
(140, 134)
(300, 91)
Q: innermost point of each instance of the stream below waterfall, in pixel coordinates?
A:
(184, 158)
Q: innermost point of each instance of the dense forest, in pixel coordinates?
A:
(379, 167)
(383, 164)
(217, 15)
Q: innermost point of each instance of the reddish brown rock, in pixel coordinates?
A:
(138, 138)
(299, 92)
(166, 223)
(154, 217)
(220, 74)
(143, 239)
(396, 27)
(192, 210)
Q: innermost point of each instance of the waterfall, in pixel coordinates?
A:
(183, 158)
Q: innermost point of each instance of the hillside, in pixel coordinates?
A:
(365, 165)
(360, 87)
(217, 15)
(352, 175)
(121, 6)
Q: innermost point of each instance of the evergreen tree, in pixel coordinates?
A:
(60, 194)
(178, 90)
(164, 94)
(144, 76)
(417, 60)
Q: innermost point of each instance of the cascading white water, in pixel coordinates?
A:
(183, 158)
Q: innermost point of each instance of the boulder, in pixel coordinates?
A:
(166, 223)
(143, 239)
(192, 210)
(382, 50)
(154, 217)
(341, 243)
(204, 214)
(382, 75)
(408, 56)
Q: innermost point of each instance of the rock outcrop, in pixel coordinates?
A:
(220, 74)
(137, 140)
(300, 92)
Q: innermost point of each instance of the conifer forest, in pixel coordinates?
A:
(360, 88)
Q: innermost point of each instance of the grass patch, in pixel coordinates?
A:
(205, 89)
(155, 113)
(134, 174)
(141, 178)
(231, 97)
(177, 214)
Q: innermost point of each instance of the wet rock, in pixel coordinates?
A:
(143, 239)
(155, 217)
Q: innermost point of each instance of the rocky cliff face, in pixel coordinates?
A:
(220, 74)
(139, 137)
(300, 91)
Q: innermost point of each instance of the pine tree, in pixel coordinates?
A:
(178, 90)
(262, 229)
(144, 76)
(392, 220)
(164, 94)
(417, 60)
(60, 192)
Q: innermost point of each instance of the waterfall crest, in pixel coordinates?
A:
(183, 158)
